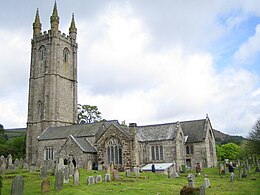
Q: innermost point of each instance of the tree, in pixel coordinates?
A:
(254, 138)
(88, 114)
(229, 151)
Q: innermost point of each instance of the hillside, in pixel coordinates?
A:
(222, 138)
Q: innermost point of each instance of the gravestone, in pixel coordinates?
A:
(2, 169)
(136, 171)
(1, 184)
(108, 169)
(21, 161)
(66, 175)
(172, 173)
(16, 162)
(71, 169)
(32, 168)
(9, 160)
(43, 172)
(91, 180)
(59, 180)
(98, 178)
(107, 178)
(89, 166)
(25, 165)
(1, 160)
(128, 173)
(202, 190)
(115, 174)
(191, 180)
(207, 183)
(11, 167)
(45, 185)
(112, 167)
(221, 168)
(76, 177)
(100, 167)
(17, 185)
(60, 165)
(232, 177)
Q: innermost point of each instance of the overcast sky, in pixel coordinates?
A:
(148, 62)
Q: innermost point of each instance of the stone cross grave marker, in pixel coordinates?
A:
(45, 185)
(76, 177)
(59, 180)
(71, 169)
(191, 180)
(108, 169)
(202, 190)
(17, 185)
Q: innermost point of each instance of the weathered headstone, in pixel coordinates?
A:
(9, 160)
(89, 166)
(128, 173)
(91, 180)
(207, 183)
(108, 169)
(98, 178)
(43, 172)
(202, 190)
(2, 169)
(16, 162)
(191, 180)
(1, 184)
(25, 165)
(66, 175)
(115, 174)
(76, 177)
(60, 165)
(100, 167)
(32, 168)
(136, 171)
(232, 177)
(107, 178)
(71, 169)
(172, 173)
(11, 167)
(221, 168)
(45, 185)
(17, 185)
(59, 180)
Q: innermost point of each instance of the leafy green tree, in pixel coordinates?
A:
(254, 139)
(230, 151)
(88, 114)
(16, 146)
(219, 152)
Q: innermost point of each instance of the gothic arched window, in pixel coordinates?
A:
(66, 55)
(187, 150)
(114, 151)
(42, 53)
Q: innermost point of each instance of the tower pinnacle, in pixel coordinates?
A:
(73, 28)
(37, 26)
(55, 19)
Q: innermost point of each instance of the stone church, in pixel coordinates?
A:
(53, 132)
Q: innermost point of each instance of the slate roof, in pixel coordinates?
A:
(84, 130)
(84, 144)
(157, 132)
(194, 129)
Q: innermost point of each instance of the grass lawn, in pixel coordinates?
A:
(147, 183)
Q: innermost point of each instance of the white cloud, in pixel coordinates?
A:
(248, 51)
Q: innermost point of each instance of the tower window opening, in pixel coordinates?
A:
(66, 55)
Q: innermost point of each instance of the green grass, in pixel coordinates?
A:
(147, 183)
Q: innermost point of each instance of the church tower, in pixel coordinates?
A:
(53, 81)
